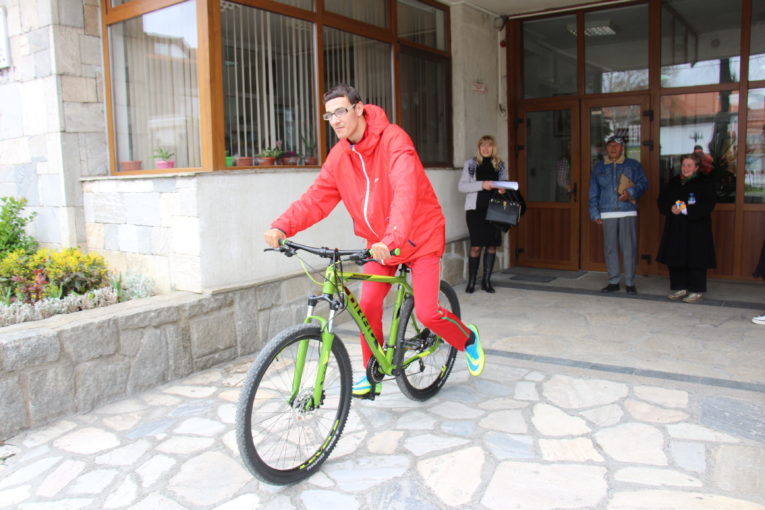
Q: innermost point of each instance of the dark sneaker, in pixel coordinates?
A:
(631, 289)
(474, 353)
(363, 388)
(611, 287)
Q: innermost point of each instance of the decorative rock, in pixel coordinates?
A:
(384, 442)
(575, 393)
(633, 442)
(208, 479)
(362, 473)
(93, 482)
(456, 411)
(184, 444)
(575, 450)
(670, 500)
(321, 500)
(551, 421)
(642, 411)
(60, 478)
(525, 390)
(453, 477)
(29, 473)
(653, 476)
(426, 443)
(505, 421)
(693, 432)
(688, 455)
(604, 416)
(739, 469)
(124, 495)
(532, 486)
(126, 455)
(87, 441)
(662, 396)
(510, 446)
(151, 470)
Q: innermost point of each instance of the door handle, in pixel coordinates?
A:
(573, 193)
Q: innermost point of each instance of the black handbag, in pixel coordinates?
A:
(505, 210)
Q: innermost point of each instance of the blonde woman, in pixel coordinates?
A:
(477, 175)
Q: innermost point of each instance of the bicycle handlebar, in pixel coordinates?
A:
(289, 248)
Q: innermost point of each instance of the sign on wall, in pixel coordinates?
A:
(5, 46)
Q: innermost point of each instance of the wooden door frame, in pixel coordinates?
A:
(547, 104)
(647, 212)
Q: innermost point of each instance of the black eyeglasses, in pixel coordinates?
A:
(339, 113)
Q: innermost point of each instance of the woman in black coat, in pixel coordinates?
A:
(687, 246)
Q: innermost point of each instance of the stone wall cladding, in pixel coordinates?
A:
(72, 363)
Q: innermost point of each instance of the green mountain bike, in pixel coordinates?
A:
(296, 397)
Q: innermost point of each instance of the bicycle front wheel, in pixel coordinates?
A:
(426, 360)
(283, 434)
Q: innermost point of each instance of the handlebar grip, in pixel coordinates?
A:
(395, 252)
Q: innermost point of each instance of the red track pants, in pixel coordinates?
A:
(425, 273)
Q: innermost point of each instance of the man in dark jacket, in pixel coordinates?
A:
(616, 185)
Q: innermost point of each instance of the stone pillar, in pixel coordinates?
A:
(52, 130)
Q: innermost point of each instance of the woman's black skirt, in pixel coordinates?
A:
(482, 233)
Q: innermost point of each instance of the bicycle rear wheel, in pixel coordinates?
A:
(426, 359)
(284, 436)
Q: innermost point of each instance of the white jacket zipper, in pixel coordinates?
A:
(366, 195)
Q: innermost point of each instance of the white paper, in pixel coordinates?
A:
(505, 184)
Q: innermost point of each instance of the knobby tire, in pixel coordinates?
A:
(283, 442)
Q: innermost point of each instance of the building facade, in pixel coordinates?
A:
(140, 130)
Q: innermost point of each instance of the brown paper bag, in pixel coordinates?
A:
(624, 183)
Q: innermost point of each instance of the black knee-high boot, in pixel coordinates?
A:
(488, 267)
(472, 273)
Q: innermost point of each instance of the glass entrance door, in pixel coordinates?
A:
(628, 118)
(549, 175)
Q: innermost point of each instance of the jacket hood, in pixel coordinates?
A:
(376, 121)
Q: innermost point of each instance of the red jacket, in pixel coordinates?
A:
(384, 187)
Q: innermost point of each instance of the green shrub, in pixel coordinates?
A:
(13, 235)
(50, 274)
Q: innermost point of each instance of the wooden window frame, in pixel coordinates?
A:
(209, 58)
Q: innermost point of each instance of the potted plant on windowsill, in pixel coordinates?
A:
(269, 156)
(309, 146)
(131, 165)
(289, 158)
(162, 158)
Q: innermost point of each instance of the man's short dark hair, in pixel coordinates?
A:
(343, 90)
(698, 148)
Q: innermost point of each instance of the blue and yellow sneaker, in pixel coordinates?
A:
(474, 353)
(363, 388)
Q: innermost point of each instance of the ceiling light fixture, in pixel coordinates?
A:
(595, 28)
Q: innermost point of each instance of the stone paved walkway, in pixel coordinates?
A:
(525, 435)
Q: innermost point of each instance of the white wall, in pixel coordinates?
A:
(204, 231)
(477, 58)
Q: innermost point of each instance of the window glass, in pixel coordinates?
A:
(549, 57)
(154, 85)
(303, 4)
(616, 49)
(269, 88)
(700, 42)
(548, 157)
(425, 103)
(362, 63)
(754, 186)
(757, 42)
(421, 23)
(710, 121)
(374, 12)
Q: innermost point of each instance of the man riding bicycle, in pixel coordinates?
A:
(374, 169)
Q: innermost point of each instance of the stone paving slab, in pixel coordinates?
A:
(525, 435)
